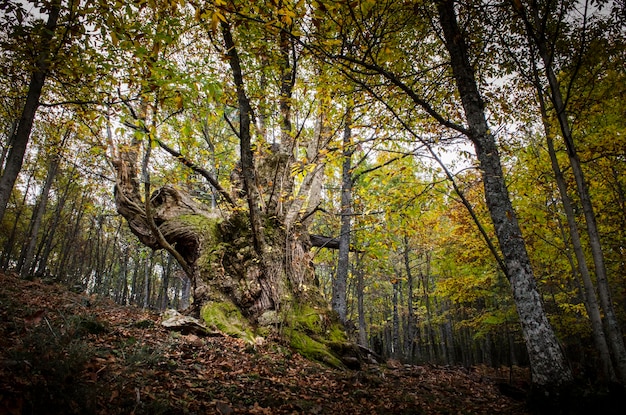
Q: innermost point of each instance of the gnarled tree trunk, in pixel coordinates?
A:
(236, 288)
(250, 265)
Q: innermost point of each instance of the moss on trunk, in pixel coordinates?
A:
(241, 289)
(227, 318)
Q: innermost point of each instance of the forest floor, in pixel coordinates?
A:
(67, 353)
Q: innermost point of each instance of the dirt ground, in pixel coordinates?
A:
(68, 353)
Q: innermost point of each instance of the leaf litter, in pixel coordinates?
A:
(66, 352)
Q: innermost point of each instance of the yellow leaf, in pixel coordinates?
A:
(214, 21)
(219, 16)
(178, 99)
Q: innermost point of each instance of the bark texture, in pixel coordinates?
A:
(267, 270)
(236, 289)
(548, 364)
(340, 282)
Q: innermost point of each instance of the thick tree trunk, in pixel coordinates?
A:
(548, 364)
(273, 289)
(249, 266)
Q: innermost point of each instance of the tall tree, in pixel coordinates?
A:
(548, 364)
(367, 55)
(19, 140)
(340, 283)
(26, 262)
(542, 23)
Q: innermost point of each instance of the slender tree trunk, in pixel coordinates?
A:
(487, 351)
(134, 288)
(95, 254)
(147, 280)
(15, 156)
(185, 296)
(361, 303)
(616, 339)
(9, 144)
(12, 239)
(395, 320)
(548, 364)
(589, 293)
(410, 329)
(536, 34)
(510, 339)
(49, 245)
(430, 333)
(343, 262)
(38, 216)
(245, 144)
(165, 284)
(70, 239)
(123, 285)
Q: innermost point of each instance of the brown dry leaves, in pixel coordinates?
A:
(131, 365)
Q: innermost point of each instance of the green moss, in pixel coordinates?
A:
(313, 333)
(307, 319)
(313, 349)
(205, 224)
(227, 318)
(336, 334)
(213, 245)
(317, 322)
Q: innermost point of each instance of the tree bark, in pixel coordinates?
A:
(340, 282)
(361, 303)
(589, 293)
(11, 241)
(248, 263)
(536, 34)
(19, 141)
(49, 244)
(395, 320)
(424, 276)
(29, 252)
(70, 240)
(548, 365)
(147, 280)
(410, 326)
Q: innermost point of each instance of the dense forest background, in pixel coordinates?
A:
(424, 282)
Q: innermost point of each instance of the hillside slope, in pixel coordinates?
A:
(67, 353)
